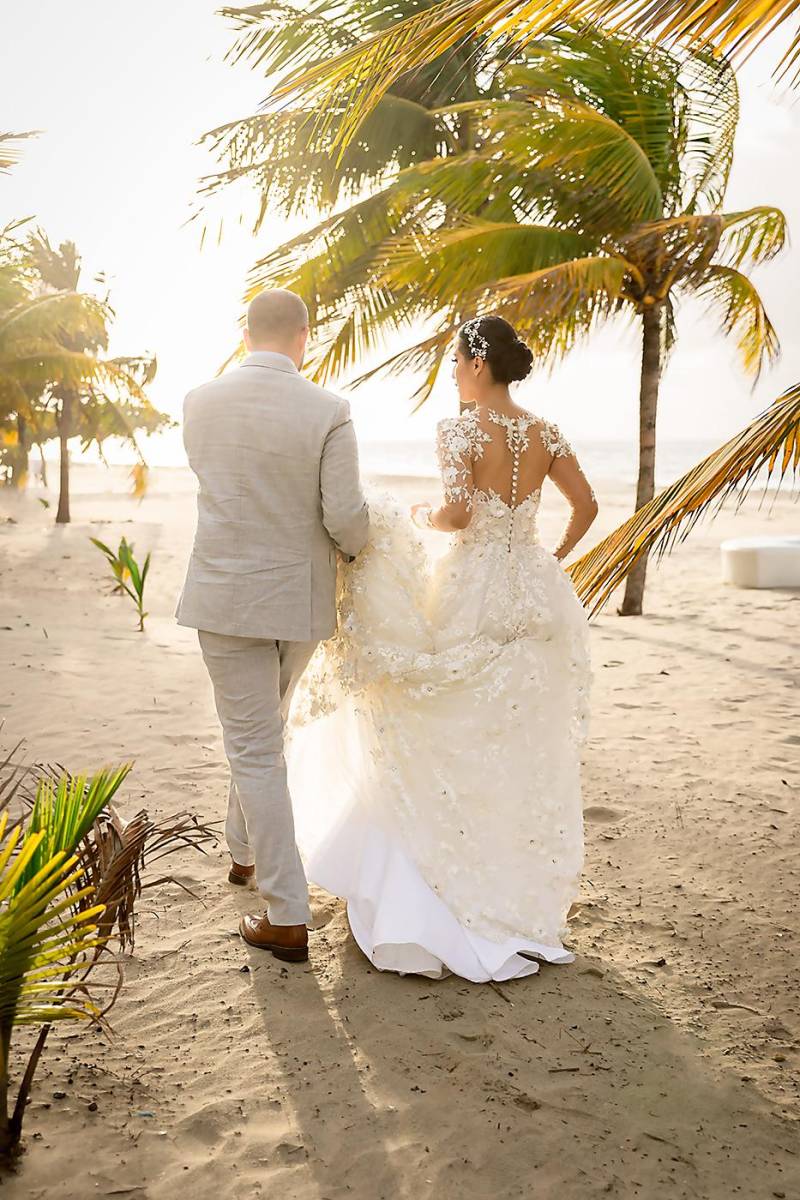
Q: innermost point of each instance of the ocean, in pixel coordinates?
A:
(603, 462)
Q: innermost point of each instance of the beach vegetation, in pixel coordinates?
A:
(130, 577)
(70, 877)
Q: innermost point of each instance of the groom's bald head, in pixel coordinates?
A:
(277, 320)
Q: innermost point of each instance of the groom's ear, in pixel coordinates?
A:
(246, 339)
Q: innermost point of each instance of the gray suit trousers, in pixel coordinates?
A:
(253, 681)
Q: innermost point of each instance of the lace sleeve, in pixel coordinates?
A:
(554, 440)
(456, 442)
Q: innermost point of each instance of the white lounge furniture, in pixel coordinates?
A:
(761, 562)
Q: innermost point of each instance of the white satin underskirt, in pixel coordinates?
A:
(401, 924)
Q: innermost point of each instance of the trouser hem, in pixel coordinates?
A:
(284, 914)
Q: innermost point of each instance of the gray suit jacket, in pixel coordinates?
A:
(277, 464)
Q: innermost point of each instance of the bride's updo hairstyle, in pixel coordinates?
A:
(493, 339)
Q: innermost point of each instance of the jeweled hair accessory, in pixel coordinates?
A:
(478, 345)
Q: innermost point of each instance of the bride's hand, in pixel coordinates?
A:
(420, 514)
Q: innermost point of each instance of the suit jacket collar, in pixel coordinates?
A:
(270, 358)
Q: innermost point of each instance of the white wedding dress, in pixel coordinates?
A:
(434, 745)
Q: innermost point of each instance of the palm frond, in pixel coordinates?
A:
(311, 263)
(11, 150)
(115, 854)
(453, 261)
(771, 439)
(753, 236)
(633, 85)
(733, 26)
(280, 37)
(712, 94)
(552, 309)
(43, 941)
(540, 137)
(65, 810)
(66, 315)
(291, 165)
(36, 365)
(58, 267)
(358, 327)
(549, 294)
(353, 81)
(558, 308)
(588, 144)
(15, 776)
(742, 316)
(421, 358)
(680, 248)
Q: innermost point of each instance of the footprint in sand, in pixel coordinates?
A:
(599, 814)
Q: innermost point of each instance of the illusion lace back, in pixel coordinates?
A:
(434, 755)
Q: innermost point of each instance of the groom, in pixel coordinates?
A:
(279, 493)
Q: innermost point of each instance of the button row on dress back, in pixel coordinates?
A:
(517, 440)
(514, 485)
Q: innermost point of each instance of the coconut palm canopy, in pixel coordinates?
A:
(350, 84)
(567, 181)
(35, 355)
(585, 181)
(56, 273)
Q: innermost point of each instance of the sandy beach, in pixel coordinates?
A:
(662, 1063)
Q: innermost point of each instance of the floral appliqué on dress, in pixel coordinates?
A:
(458, 441)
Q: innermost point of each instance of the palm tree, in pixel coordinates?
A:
(592, 186)
(104, 396)
(736, 26)
(33, 355)
(53, 381)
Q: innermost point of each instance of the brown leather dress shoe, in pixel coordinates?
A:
(240, 875)
(288, 942)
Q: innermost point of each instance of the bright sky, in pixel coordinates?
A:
(123, 92)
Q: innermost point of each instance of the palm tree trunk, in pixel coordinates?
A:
(23, 1095)
(40, 448)
(646, 483)
(64, 426)
(6, 1135)
(19, 471)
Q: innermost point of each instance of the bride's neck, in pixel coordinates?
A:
(497, 398)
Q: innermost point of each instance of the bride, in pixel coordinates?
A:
(434, 749)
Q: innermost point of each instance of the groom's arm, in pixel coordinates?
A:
(344, 509)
